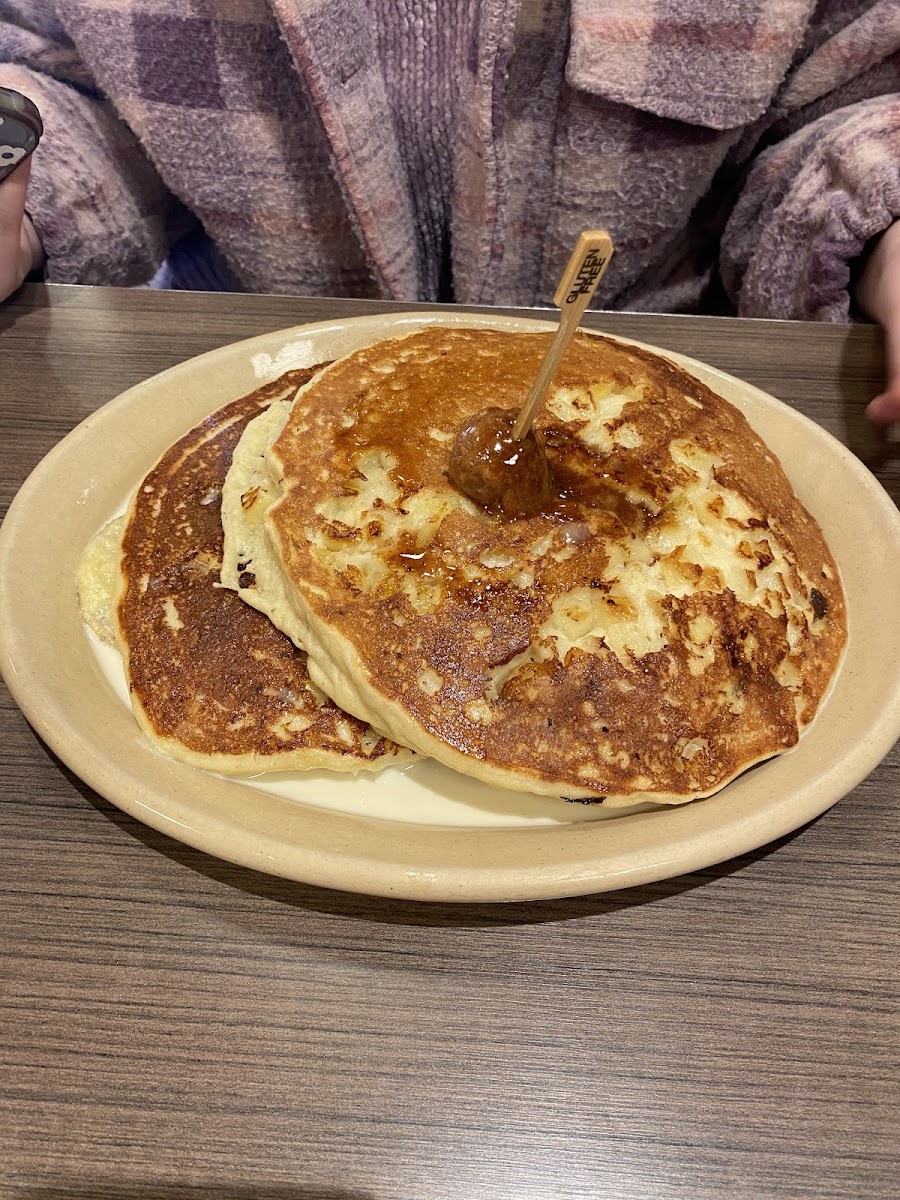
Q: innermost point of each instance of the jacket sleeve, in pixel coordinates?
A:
(101, 211)
(808, 208)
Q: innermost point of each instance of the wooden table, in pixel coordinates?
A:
(173, 1026)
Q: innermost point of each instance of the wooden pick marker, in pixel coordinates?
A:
(576, 288)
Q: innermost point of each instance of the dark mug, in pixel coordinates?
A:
(20, 129)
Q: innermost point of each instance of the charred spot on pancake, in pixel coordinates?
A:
(819, 603)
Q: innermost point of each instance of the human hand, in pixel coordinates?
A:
(20, 246)
(878, 293)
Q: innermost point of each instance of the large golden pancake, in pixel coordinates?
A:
(671, 618)
(213, 682)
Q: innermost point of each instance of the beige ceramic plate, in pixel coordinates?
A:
(434, 838)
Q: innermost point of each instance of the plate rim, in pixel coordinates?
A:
(685, 846)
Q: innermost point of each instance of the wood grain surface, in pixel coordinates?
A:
(174, 1027)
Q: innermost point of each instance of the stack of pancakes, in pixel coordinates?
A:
(298, 579)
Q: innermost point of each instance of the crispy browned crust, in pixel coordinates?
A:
(587, 724)
(210, 677)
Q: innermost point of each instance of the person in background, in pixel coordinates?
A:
(744, 155)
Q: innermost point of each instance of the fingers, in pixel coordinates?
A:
(32, 250)
(13, 191)
(879, 294)
(16, 249)
(885, 408)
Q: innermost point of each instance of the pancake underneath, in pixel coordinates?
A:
(671, 618)
(212, 682)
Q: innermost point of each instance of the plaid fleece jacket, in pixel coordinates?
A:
(740, 152)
